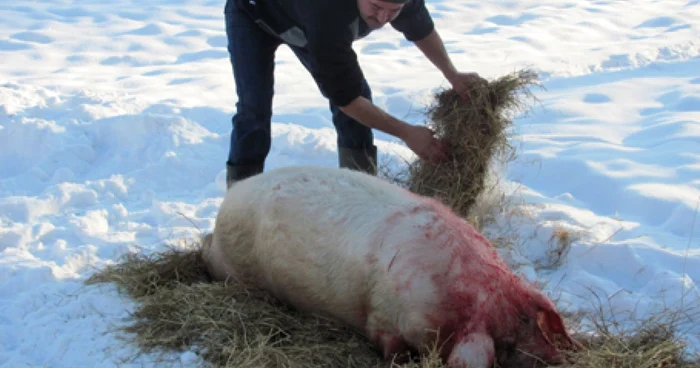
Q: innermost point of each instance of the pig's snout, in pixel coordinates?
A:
(475, 350)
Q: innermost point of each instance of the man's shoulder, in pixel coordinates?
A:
(411, 9)
(414, 21)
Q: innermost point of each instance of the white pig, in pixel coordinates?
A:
(396, 267)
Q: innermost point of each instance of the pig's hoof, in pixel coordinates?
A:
(393, 347)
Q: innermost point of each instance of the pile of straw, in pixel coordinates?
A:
(476, 133)
(228, 325)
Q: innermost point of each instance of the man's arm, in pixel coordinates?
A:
(434, 49)
(363, 110)
(418, 138)
(417, 26)
(335, 68)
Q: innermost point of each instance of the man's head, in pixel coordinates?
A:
(377, 13)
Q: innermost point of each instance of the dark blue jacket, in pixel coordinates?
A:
(327, 29)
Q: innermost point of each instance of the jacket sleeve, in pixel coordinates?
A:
(333, 62)
(414, 21)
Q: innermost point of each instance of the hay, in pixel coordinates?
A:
(140, 275)
(228, 324)
(649, 343)
(647, 348)
(475, 132)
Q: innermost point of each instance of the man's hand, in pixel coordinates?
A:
(422, 141)
(463, 82)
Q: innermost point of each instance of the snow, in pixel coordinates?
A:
(115, 122)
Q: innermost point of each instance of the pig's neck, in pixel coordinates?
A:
(482, 292)
(503, 301)
(485, 293)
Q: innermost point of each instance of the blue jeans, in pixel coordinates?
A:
(252, 54)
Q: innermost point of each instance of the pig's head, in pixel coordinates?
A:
(539, 339)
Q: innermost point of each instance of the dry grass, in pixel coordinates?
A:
(621, 340)
(561, 241)
(228, 325)
(647, 348)
(475, 131)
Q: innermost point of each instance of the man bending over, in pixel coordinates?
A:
(321, 33)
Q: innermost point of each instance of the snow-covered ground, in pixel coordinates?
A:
(115, 121)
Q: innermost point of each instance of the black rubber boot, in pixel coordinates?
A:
(359, 159)
(240, 172)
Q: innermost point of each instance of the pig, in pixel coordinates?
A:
(403, 270)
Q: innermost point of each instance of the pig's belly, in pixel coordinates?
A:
(317, 270)
(341, 254)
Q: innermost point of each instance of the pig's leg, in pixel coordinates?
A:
(474, 350)
(418, 330)
(387, 338)
(213, 260)
(218, 247)
(393, 347)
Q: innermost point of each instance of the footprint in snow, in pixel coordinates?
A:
(34, 37)
(596, 98)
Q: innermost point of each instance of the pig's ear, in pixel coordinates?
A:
(552, 327)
